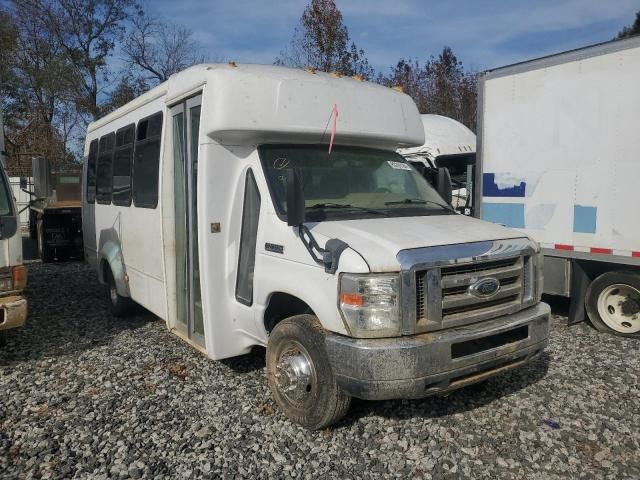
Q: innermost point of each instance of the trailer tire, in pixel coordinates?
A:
(300, 376)
(612, 302)
(33, 226)
(45, 252)
(120, 306)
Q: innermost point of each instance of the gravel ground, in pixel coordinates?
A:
(83, 394)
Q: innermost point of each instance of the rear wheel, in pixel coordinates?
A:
(120, 306)
(300, 375)
(613, 303)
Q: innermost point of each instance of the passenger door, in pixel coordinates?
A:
(185, 123)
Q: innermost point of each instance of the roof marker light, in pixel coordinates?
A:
(358, 77)
(233, 64)
(311, 70)
(398, 88)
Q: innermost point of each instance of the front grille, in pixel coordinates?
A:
(456, 303)
(420, 296)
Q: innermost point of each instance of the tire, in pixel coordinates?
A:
(612, 302)
(44, 251)
(297, 345)
(120, 306)
(33, 226)
(3, 338)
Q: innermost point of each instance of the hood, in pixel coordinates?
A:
(379, 240)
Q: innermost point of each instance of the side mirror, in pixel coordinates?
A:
(23, 183)
(444, 185)
(8, 226)
(295, 199)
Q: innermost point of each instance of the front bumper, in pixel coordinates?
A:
(433, 363)
(13, 312)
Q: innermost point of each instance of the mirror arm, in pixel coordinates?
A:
(329, 256)
(311, 244)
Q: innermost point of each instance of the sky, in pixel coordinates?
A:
(483, 34)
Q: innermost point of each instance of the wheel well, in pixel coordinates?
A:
(283, 305)
(583, 273)
(105, 270)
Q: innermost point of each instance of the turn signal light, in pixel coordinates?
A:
(352, 299)
(19, 277)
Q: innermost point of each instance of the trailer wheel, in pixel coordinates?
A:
(613, 303)
(45, 252)
(33, 226)
(299, 374)
(120, 306)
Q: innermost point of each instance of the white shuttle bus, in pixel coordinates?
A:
(257, 205)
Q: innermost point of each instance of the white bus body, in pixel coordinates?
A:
(558, 146)
(201, 237)
(13, 275)
(447, 143)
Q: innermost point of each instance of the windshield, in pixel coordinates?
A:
(350, 183)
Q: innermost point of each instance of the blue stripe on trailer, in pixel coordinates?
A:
(584, 219)
(491, 189)
(508, 214)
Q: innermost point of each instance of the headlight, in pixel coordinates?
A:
(370, 304)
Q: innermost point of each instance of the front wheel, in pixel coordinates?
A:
(120, 306)
(300, 375)
(613, 303)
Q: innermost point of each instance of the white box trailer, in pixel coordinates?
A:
(559, 159)
(215, 201)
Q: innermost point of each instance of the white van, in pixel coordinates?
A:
(213, 201)
(13, 274)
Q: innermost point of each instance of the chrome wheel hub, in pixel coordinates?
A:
(113, 293)
(295, 374)
(619, 308)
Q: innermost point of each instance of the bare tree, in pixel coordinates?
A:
(441, 86)
(158, 50)
(321, 41)
(409, 75)
(631, 30)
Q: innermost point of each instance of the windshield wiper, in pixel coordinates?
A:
(420, 201)
(319, 206)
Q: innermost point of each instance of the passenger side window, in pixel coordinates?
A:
(122, 166)
(105, 164)
(248, 240)
(92, 163)
(146, 162)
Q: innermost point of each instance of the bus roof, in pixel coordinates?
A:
(272, 103)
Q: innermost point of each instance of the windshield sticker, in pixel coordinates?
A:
(399, 165)
(280, 163)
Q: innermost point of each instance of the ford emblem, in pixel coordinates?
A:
(485, 288)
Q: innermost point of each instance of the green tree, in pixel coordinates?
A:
(87, 31)
(631, 30)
